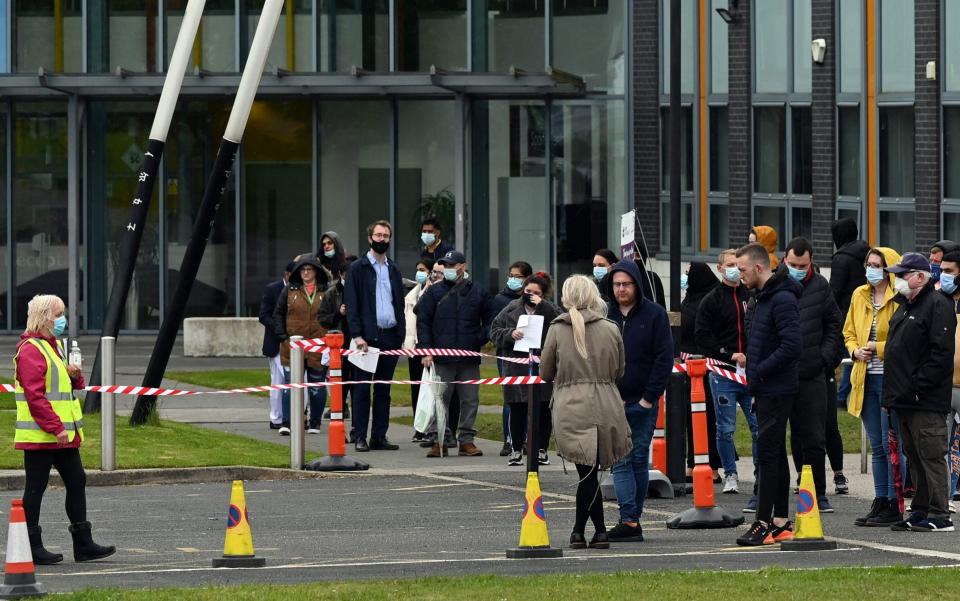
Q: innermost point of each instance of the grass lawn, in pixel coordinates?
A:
(170, 444)
(843, 584)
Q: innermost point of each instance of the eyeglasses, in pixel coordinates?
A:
(623, 284)
(381, 237)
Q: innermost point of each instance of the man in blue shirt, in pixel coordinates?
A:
(373, 294)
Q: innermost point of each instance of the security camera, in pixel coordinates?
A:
(818, 48)
(730, 14)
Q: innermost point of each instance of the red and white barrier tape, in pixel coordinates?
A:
(317, 345)
(716, 367)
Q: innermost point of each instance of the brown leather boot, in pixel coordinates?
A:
(435, 451)
(468, 449)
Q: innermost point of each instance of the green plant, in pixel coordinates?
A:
(441, 206)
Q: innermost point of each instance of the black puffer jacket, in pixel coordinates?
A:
(918, 359)
(454, 315)
(819, 328)
(721, 327)
(700, 282)
(773, 338)
(846, 267)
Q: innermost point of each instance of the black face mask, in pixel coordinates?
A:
(528, 299)
(380, 247)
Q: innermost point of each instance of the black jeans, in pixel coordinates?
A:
(518, 426)
(37, 465)
(389, 339)
(808, 422)
(773, 478)
(715, 461)
(589, 499)
(416, 373)
(834, 441)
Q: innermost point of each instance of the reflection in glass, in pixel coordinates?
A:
(772, 216)
(431, 32)
(48, 34)
(292, 47)
(896, 151)
(801, 220)
(133, 34)
(897, 50)
(719, 151)
(770, 45)
(719, 50)
(215, 49)
(355, 162)
(191, 149)
(354, 33)
(719, 226)
(951, 25)
(897, 229)
(802, 141)
(951, 152)
(686, 148)
(39, 203)
(802, 61)
(951, 225)
(769, 150)
(852, 213)
(848, 151)
(686, 224)
(851, 47)
(688, 46)
(277, 193)
(515, 30)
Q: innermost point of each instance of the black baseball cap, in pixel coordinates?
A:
(910, 262)
(453, 257)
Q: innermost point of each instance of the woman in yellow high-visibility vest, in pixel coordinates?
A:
(50, 428)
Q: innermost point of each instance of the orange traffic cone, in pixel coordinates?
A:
(238, 542)
(19, 579)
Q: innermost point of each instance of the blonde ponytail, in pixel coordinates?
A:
(580, 294)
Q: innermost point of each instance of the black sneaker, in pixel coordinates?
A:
(905, 525)
(879, 504)
(382, 444)
(543, 458)
(824, 505)
(506, 449)
(577, 541)
(944, 524)
(755, 536)
(841, 483)
(888, 516)
(600, 540)
(621, 533)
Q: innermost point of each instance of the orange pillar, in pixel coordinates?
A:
(335, 432)
(702, 474)
(659, 439)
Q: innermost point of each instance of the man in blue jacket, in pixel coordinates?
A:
(773, 376)
(271, 344)
(373, 293)
(649, 361)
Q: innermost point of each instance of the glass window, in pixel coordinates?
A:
(190, 151)
(116, 136)
(432, 32)
(719, 51)
(951, 151)
(801, 220)
(951, 225)
(851, 47)
(851, 212)
(688, 46)
(896, 46)
(354, 34)
(132, 26)
(951, 24)
(686, 224)
(48, 34)
(896, 151)
(589, 171)
(4, 53)
(426, 178)
(4, 243)
(802, 141)
(355, 161)
(39, 203)
(719, 153)
(897, 229)
(771, 216)
(686, 148)
(848, 152)
(215, 46)
(588, 40)
(802, 36)
(292, 47)
(515, 34)
(719, 225)
(770, 150)
(770, 51)
(277, 192)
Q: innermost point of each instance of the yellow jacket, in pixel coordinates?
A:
(856, 329)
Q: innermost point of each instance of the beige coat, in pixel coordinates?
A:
(588, 418)
(409, 303)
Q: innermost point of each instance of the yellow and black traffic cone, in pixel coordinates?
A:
(238, 542)
(534, 538)
(808, 535)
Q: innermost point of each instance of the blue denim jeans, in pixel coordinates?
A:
(317, 396)
(727, 395)
(631, 475)
(877, 423)
(843, 391)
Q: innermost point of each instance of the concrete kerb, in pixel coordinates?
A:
(185, 475)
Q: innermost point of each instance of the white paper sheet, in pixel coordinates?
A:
(532, 328)
(365, 361)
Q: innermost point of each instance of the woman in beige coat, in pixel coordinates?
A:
(583, 357)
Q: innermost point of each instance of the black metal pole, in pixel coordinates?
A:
(188, 274)
(533, 420)
(675, 155)
(677, 412)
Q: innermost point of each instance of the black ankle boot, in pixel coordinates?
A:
(84, 549)
(41, 556)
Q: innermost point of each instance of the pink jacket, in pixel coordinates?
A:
(32, 374)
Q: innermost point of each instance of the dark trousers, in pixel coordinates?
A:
(808, 423)
(834, 441)
(773, 478)
(389, 339)
(924, 435)
(589, 499)
(518, 426)
(715, 461)
(37, 465)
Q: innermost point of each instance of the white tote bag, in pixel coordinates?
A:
(426, 403)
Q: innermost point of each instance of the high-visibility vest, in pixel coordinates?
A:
(59, 392)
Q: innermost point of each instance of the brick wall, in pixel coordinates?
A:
(927, 125)
(741, 136)
(645, 120)
(824, 130)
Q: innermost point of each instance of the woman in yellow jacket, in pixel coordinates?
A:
(865, 336)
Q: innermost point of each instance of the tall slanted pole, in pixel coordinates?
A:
(249, 82)
(133, 230)
(675, 157)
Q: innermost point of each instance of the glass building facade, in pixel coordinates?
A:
(506, 119)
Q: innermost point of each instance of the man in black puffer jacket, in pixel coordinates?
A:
(819, 334)
(773, 358)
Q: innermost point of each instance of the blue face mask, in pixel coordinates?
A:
(874, 275)
(684, 281)
(59, 326)
(329, 253)
(421, 277)
(948, 283)
(428, 239)
(732, 274)
(935, 271)
(797, 274)
(514, 284)
(450, 274)
(599, 273)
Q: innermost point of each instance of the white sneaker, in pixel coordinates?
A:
(953, 508)
(731, 484)
(515, 458)
(284, 431)
(313, 431)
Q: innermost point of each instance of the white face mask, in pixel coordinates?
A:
(902, 286)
